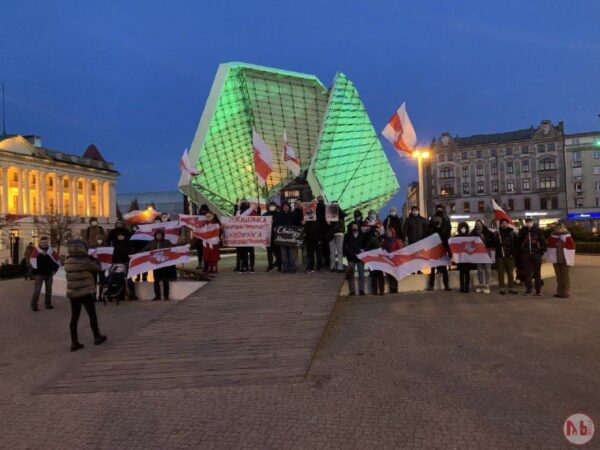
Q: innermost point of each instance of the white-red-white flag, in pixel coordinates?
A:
(192, 222)
(400, 131)
(39, 251)
(146, 231)
(291, 159)
(157, 259)
(201, 229)
(500, 214)
(468, 249)
(104, 255)
(263, 158)
(136, 217)
(186, 167)
(424, 254)
(568, 247)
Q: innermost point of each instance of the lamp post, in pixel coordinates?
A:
(421, 154)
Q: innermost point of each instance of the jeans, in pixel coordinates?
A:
(464, 273)
(484, 273)
(165, 283)
(88, 303)
(288, 259)
(439, 269)
(532, 265)
(274, 256)
(562, 279)
(336, 252)
(506, 265)
(352, 267)
(37, 289)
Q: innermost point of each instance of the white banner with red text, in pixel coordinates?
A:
(246, 231)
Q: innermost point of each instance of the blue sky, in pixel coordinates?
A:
(132, 76)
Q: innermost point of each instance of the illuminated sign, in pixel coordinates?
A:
(589, 215)
(458, 216)
(535, 214)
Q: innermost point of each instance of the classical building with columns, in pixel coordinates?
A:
(35, 181)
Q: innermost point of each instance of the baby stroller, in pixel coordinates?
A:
(114, 286)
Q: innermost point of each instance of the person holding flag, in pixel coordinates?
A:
(211, 241)
(44, 262)
(505, 256)
(532, 245)
(164, 274)
(561, 253)
(484, 270)
(464, 269)
(436, 227)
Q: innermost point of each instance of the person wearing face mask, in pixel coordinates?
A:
(358, 219)
(391, 243)
(273, 251)
(288, 253)
(93, 233)
(532, 245)
(505, 253)
(119, 229)
(415, 226)
(245, 255)
(464, 269)
(374, 240)
(353, 246)
(436, 226)
(323, 231)
(313, 245)
(122, 250)
(484, 271)
(440, 211)
(164, 274)
(395, 222)
(371, 223)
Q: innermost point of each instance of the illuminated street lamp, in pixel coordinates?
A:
(421, 154)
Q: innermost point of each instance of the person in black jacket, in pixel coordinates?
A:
(436, 226)
(273, 251)
(323, 231)
(506, 246)
(395, 222)
(44, 268)
(288, 253)
(122, 250)
(197, 242)
(313, 245)
(373, 240)
(532, 245)
(358, 219)
(484, 271)
(415, 226)
(464, 269)
(336, 242)
(440, 211)
(118, 229)
(353, 246)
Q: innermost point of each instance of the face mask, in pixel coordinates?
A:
(372, 217)
(439, 211)
(415, 213)
(393, 213)
(94, 224)
(271, 208)
(121, 237)
(463, 230)
(355, 233)
(321, 201)
(529, 225)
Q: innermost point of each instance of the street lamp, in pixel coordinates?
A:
(421, 154)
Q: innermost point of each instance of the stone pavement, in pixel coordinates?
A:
(427, 370)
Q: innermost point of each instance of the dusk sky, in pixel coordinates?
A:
(132, 77)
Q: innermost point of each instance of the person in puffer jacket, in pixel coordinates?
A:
(81, 271)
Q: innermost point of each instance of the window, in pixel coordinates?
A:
(596, 170)
(441, 158)
(575, 141)
(480, 187)
(509, 167)
(511, 204)
(447, 190)
(527, 203)
(525, 165)
(578, 186)
(578, 202)
(551, 147)
(465, 188)
(65, 183)
(554, 203)
(549, 183)
(541, 148)
(447, 172)
(479, 171)
(510, 186)
(596, 154)
(524, 149)
(93, 187)
(576, 171)
(597, 186)
(15, 177)
(494, 185)
(50, 182)
(465, 172)
(466, 207)
(494, 152)
(494, 169)
(450, 156)
(508, 151)
(547, 164)
(452, 207)
(479, 154)
(481, 206)
(543, 203)
(526, 184)
(577, 156)
(465, 155)
(80, 185)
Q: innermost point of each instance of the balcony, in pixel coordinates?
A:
(579, 194)
(577, 163)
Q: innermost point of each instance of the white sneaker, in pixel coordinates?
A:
(486, 290)
(478, 290)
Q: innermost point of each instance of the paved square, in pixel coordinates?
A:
(418, 371)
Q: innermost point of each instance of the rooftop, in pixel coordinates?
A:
(510, 136)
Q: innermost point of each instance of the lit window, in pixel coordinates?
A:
(466, 207)
(481, 206)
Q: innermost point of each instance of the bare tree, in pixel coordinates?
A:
(58, 227)
(134, 206)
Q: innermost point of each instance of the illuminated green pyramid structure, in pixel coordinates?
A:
(330, 131)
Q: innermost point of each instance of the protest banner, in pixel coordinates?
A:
(468, 249)
(146, 232)
(288, 236)
(104, 255)
(310, 211)
(156, 259)
(246, 231)
(332, 212)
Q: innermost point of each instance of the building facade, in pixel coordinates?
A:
(582, 156)
(35, 181)
(523, 171)
(412, 197)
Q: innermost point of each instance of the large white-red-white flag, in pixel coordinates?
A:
(186, 167)
(568, 246)
(157, 259)
(146, 231)
(201, 229)
(263, 158)
(291, 159)
(499, 213)
(40, 251)
(104, 255)
(400, 131)
(424, 254)
(468, 249)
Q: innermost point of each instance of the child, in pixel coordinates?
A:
(464, 269)
(211, 241)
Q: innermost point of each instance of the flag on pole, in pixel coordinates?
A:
(568, 247)
(263, 158)
(499, 213)
(468, 249)
(424, 254)
(40, 251)
(400, 132)
(104, 255)
(146, 232)
(157, 259)
(292, 161)
(186, 167)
